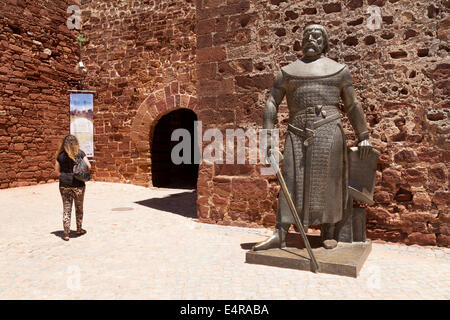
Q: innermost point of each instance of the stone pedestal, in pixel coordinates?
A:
(346, 259)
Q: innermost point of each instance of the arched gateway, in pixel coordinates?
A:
(164, 172)
(164, 107)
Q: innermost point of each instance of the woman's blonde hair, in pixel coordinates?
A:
(70, 145)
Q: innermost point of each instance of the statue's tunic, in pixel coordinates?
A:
(314, 128)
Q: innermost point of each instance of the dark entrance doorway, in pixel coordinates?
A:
(165, 173)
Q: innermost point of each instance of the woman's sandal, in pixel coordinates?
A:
(81, 232)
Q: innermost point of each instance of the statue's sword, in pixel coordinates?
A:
(293, 211)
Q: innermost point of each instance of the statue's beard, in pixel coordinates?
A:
(313, 45)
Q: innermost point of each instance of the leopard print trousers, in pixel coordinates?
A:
(70, 195)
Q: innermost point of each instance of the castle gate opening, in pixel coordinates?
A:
(165, 173)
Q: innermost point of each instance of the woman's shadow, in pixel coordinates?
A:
(72, 234)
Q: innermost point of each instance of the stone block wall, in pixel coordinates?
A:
(146, 58)
(38, 62)
(400, 72)
(140, 58)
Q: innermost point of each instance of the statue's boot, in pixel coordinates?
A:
(328, 240)
(330, 244)
(277, 240)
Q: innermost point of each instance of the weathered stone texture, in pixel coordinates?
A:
(38, 62)
(218, 58)
(140, 57)
(400, 73)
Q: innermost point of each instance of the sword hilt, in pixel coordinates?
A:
(273, 163)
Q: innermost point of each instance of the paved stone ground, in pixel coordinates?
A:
(145, 244)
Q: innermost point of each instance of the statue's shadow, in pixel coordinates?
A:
(293, 240)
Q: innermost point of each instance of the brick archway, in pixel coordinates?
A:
(156, 105)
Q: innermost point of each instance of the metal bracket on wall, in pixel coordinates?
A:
(83, 91)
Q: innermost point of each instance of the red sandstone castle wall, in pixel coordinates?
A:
(140, 58)
(37, 66)
(400, 73)
(144, 59)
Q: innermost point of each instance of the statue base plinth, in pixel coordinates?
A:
(346, 259)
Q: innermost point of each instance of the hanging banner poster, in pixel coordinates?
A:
(82, 120)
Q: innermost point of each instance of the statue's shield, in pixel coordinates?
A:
(362, 174)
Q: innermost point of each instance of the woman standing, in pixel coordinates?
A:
(71, 189)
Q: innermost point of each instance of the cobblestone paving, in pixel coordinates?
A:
(134, 249)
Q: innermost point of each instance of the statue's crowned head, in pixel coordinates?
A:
(315, 40)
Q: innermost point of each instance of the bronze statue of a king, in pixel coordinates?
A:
(315, 164)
